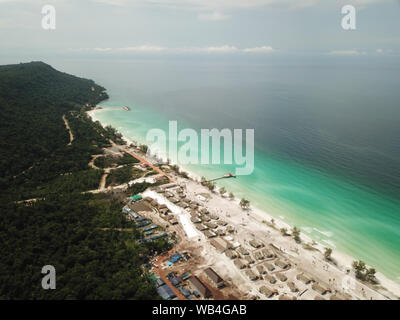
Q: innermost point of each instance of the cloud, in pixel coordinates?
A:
(263, 49)
(142, 49)
(345, 53)
(102, 49)
(220, 49)
(380, 51)
(149, 49)
(214, 16)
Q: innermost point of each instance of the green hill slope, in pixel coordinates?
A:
(64, 227)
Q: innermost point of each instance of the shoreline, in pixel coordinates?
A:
(343, 260)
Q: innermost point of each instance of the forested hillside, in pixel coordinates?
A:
(62, 226)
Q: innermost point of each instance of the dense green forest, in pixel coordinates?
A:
(111, 161)
(63, 226)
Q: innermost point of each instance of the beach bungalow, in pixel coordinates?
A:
(162, 206)
(169, 194)
(154, 203)
(181, 195)
(292, 286)
(220, 232)
(222, 223)
(256, 244)
(230, 229)
(270, 279)
(282, 264)
(204, 211)
(215, 278)
(173, 221)
(214, 216)
(269, 266)
(240, 263)
(252, 276)
(267, 253)
(195, 220)
(174, 200)
(258, 255)
(249, 259)
(261, 269)
(200, 287)
(209, 234)
(194, 206)
(228, 243)
(320, 289)
(205, 218)
(303, 278)
(269, 293)
(201, 227)
(281, 277)
(243, 251)
(160, 190)
(183, 205)
(211, 225)
(231, 254)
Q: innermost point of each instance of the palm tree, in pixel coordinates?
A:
(231, 196)
(328, 253)
(222, 191)
(211, 186)
(296, 234)
(244, 204)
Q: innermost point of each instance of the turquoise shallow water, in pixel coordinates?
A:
(343, 215)
(327, 135)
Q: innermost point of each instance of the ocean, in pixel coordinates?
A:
(327, 135)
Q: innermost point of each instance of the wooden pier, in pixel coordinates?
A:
(225, 176)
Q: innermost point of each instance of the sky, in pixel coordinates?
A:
(107, 28)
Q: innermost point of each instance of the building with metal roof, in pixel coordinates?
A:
(200, 287)
(214, 277)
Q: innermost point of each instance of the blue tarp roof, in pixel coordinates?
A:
(185, 292)
(159, 282)
(154, 226)
(175, 281)
(159, 236)
(175, 257)
(166, 292)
